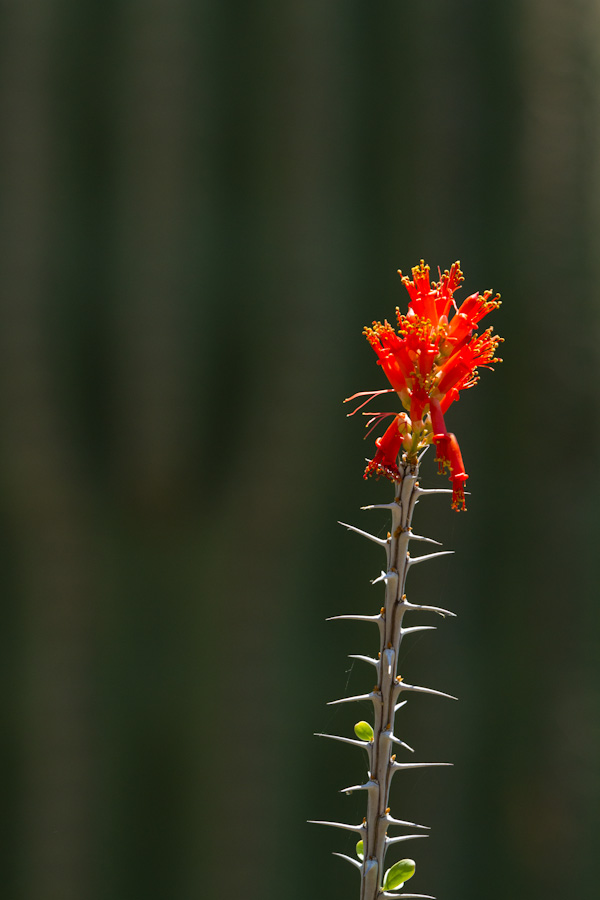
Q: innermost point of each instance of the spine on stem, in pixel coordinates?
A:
(431, 357)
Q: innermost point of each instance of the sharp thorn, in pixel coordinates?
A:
(355, 618)
(357, 828)
(419, 537)
(396, 766)
(343, 740)
(390, 575)
(415, 628)
(382, 577)
(402, 686)
(370, 537)
(391, 821)
(422, 491)
(387, 894)
(380, 506)
(368, 659)
(367, 786)
(403, 837)
(349, 859)
(400, 705)
(412, 561)
(389, 655)
(435, 609)
(402, 744)
(370, 696)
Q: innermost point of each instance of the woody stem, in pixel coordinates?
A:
(388, 688)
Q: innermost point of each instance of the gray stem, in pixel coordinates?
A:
(385, 696)
(391, 638)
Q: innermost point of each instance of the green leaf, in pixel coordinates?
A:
(398, 874)
(360, 850)
(363, 731)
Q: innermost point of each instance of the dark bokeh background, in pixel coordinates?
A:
(202, 203)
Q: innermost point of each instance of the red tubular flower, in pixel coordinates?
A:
(437, 417)
(393, 357)
(450, 457)
(431, 357)
(385, 461)
(475, 307)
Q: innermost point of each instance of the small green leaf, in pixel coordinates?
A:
(360, 851)
(398, 874)
(363, 731)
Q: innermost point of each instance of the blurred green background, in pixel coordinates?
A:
(202, 204)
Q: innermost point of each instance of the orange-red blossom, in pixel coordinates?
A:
(429, 359)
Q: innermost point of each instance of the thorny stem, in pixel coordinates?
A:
(386, 694)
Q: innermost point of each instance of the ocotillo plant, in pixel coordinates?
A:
(432, 355)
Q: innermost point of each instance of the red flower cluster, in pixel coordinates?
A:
(432, 356)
